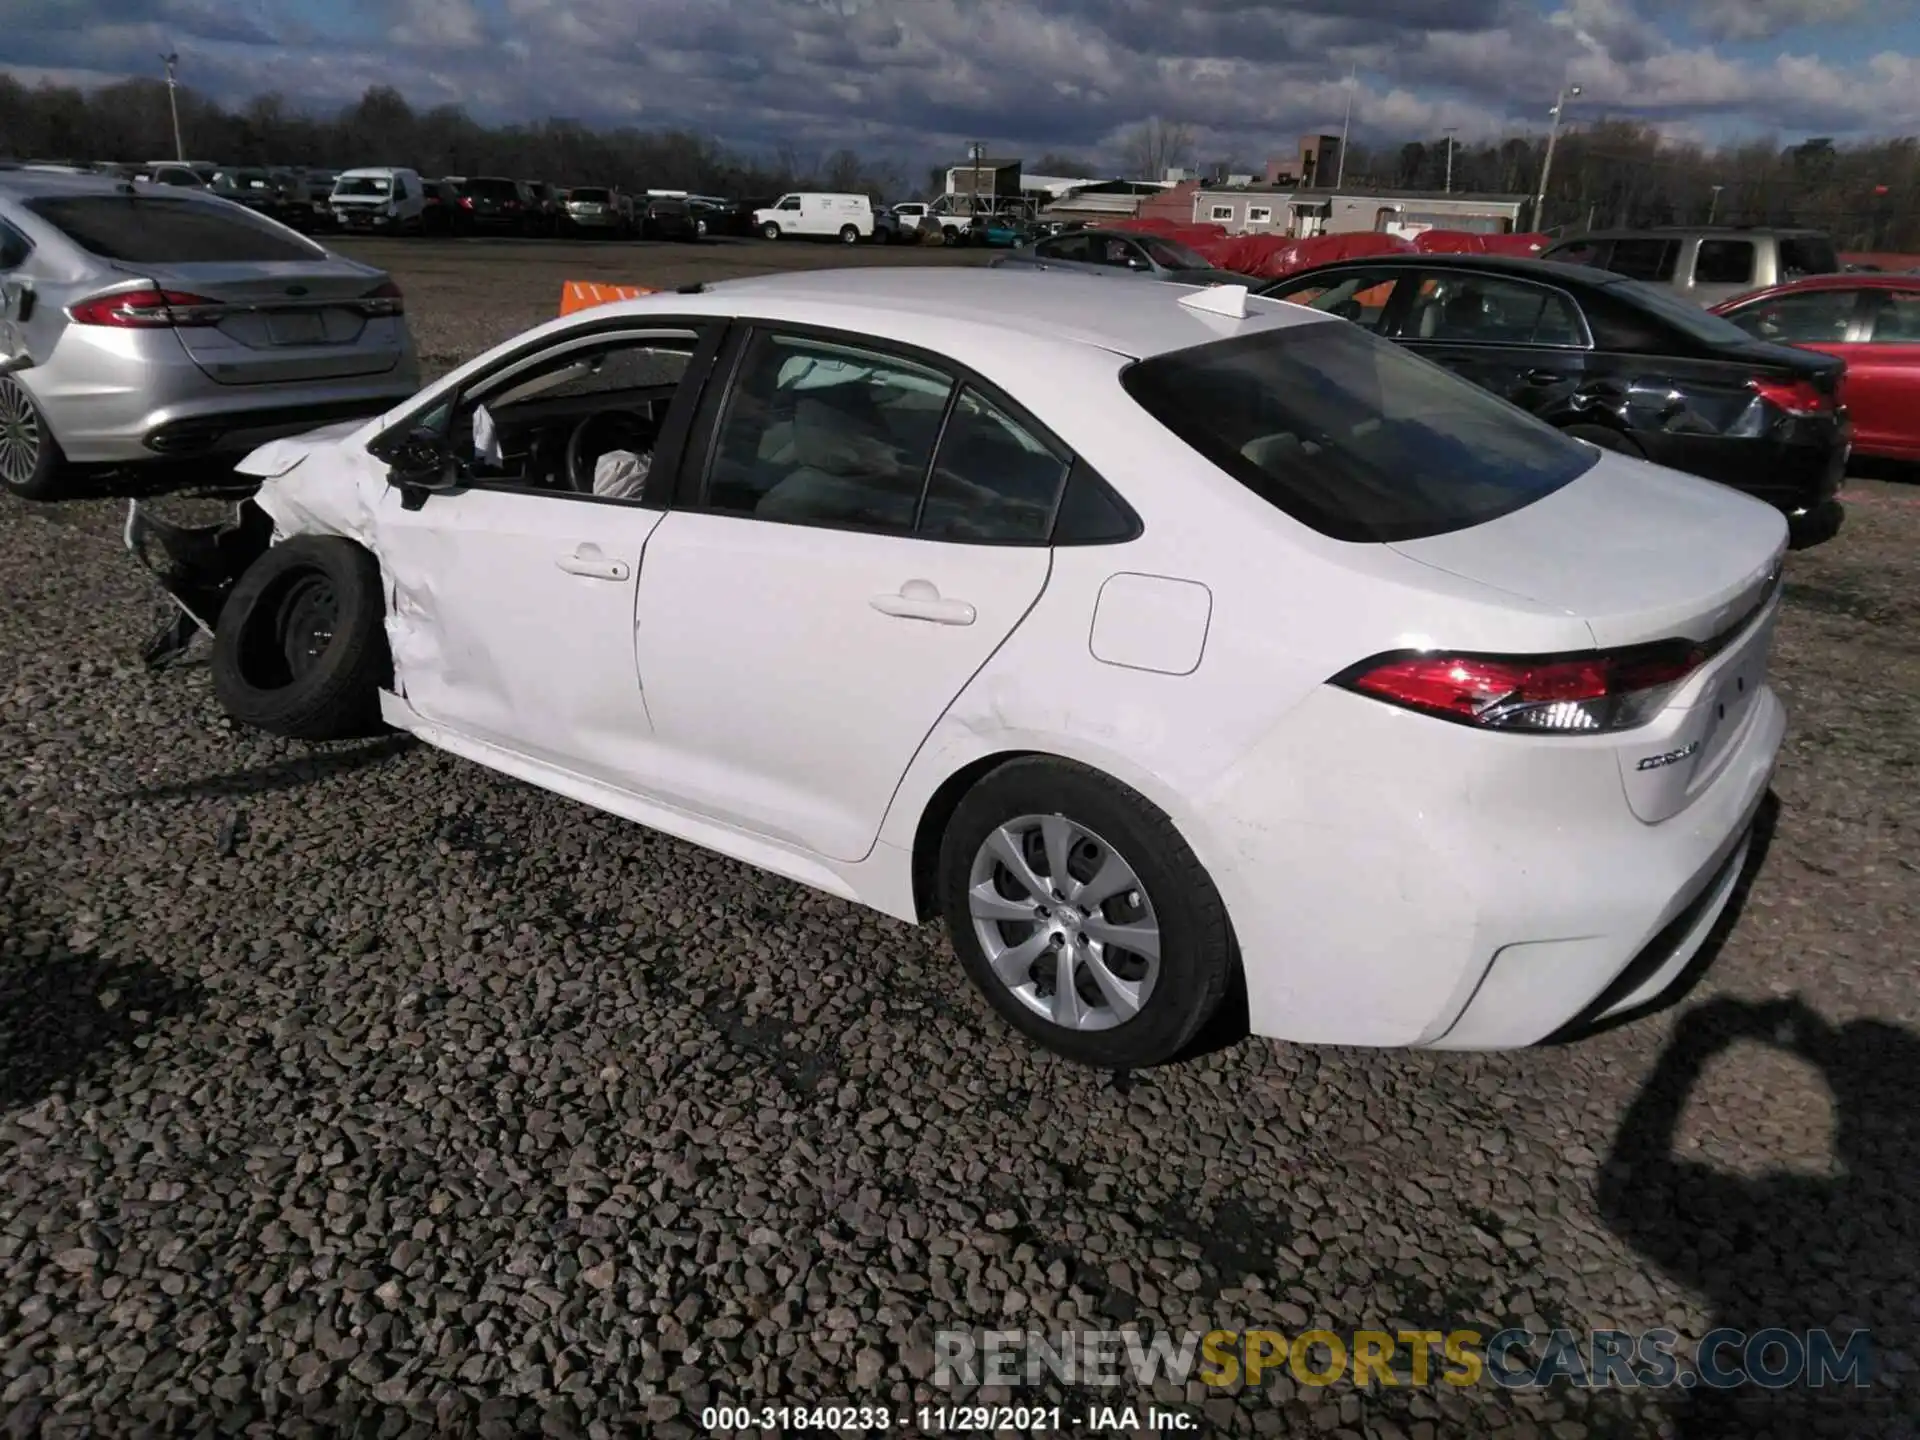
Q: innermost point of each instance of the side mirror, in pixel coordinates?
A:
(422, 464)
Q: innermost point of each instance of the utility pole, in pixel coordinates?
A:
(1451, 131)
(172, 61)
(1567, 92)
(1713, 205)
(977, 150)
(1346, 129)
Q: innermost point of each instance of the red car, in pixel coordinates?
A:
(1870, 321)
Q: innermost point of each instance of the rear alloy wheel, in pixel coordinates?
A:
(30, 460)
(770, 231)
(849, 235)
(300, 648)
(1082, 915)
(1605, 439)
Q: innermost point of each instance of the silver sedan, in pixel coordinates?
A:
(143, 322)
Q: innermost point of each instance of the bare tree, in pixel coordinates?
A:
(1154, 147)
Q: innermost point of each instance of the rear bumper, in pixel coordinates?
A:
(1396, 881)
(123, 397)
(1794, 478)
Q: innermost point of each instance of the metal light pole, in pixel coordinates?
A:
(1713, 205)
(1567, 93)
(172, 62)
(1451, 131)
(1346, 129)
(976, 150)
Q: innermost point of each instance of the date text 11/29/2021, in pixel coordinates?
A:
(941, 1419)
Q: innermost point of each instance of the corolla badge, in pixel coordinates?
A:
(1672, 757)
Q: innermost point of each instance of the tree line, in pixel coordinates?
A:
(1609, 172)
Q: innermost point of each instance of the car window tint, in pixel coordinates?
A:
(1352, 435)
(1807, 255)
(1579, 252)
(1491, 310)
(1357, 295)
(993, 479)
(163, 230)
(1813, 317)
(1110, 250)
(1723, 262)
(823, 434)
(14, 246)
(1898, 322)
(1643, 259)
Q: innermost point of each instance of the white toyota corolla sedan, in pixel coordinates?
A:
(1161, 640)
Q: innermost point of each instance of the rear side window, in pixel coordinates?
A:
(1723, 262)
(1354, 436)
(1679, 313)
(162, 230)
(1644, 259)
(1807, 255)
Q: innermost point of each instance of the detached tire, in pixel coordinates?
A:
(301, 646)
(1082, 914)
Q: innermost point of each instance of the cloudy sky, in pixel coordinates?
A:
(920, 77)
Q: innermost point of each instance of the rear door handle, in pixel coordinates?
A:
(587, 561)
(920, 600)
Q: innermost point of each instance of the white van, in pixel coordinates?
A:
(847, 217)
(379, 198)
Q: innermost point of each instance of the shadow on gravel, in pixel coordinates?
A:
(62, 1013)
(1786, 1252)
(288, 774)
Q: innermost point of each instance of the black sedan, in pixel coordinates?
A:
(1628, 367)
(1119, 252)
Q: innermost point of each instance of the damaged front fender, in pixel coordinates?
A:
(197, 566)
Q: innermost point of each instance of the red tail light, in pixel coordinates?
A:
(147, 310)
(383, 302)
(466, 202)
(1795, 397)
(1580, 694)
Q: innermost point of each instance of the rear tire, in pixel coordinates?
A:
(31, 464)
(1129, 876)
(301, 646)
(769, 231)
(1607, 439)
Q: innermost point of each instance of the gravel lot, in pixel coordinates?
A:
(353, 1089)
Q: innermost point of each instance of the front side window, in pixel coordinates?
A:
(792, 202)
(818, 433)
(1492, 310)
(1723, 262)
(1813, 317)
(1352, 435)
(1120, 254)
(993, 479)
(1644, 259)
(169, 230)
(1898, 322)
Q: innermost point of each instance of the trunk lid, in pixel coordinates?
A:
(285, 320)
(1643, 554)
(1638, 552)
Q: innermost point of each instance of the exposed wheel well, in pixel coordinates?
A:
(933, 824)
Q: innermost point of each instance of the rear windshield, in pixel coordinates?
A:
(588, 194)
(160, 230)
(1354, 436)
(1682, 314)
(1802, 255)
(493, 189)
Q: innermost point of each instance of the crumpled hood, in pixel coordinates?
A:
(277, 457)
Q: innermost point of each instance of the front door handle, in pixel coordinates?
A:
(587, 561)
(1542, 377)
(920, 600)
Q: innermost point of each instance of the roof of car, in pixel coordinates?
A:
(1130, 316)
(1730, 231)
(32, 184)
(1840, 280)
(1552, 271)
